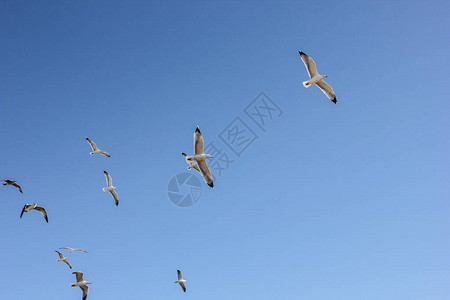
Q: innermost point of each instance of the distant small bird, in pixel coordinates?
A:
(72, 249)
(29, 207)
(95, 149)
(62, 258)
(200, 158)
(316, 78)
(110, 188)
(181, 281)
(192, 163)
(13, 183)
(83, 284)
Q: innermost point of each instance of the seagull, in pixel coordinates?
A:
(110, 188)
(192, 164)
(29, 207)
(62, 258)
(83, 284)
(95, 149)
(13, 183)
(316, 78)
(72, 249)
(200, 158)
(181, 281)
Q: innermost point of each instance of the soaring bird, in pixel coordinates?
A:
(29, 207)
(181, 281)
(200, 158)
(13, 183)
(316, 78)
(110, 188)
(95, 149)
(83, 284)
(62, 258)
(73, 249)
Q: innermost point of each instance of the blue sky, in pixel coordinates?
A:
(346, 201)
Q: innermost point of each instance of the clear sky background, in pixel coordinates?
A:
(347, 201)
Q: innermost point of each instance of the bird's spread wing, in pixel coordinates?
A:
(93, 145)
(183, 286)
(198, 142)
(79, 276)
(42, 210)
(23, 210)
(309, 64)
(204, 170)
(180, 276)
(85, 290)
(327, 90)
(108, 179)
(105, 154)
(60, 254)
(67, 263)
(65, 248)
(17, 187)
(115, 196)
(81, 250)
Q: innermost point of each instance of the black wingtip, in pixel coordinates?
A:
(301, 53)
(104, 171)
(87, 139)
(211, 184)
(334, 101)
(197, 130)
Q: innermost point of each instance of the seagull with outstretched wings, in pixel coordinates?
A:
(316, 78)
(198, 160)
(110, 188)
(181, 281)
(13, 183)
(29, 207)
(95, 149)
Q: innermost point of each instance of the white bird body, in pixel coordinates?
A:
(313, 80)
(81, 283)
(30, 207)
(109, 188)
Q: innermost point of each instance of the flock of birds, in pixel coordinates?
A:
(196, 162)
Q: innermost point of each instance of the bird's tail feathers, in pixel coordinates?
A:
(306, 84)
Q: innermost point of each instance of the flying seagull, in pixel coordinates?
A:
(200, 158)
(181, 281)
(13, 183)
(62, 258)
(83, 284)
(95, 149)
(110, 188)
(316, 78)
(29, 207)
(72, 249)
(192, 163)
